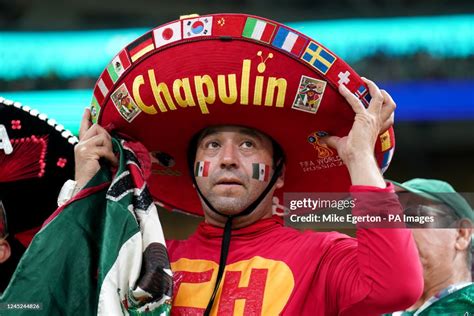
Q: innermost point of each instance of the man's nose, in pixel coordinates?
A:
(229, 157)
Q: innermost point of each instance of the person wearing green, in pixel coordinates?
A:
(445, 245)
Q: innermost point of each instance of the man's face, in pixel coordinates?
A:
(436, 241)
(437, 250)
(231, 153)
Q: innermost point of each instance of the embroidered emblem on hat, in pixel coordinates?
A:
(95, 110)
(344, 77)
(124, 103)
(140, 47)
(309, 95)
(322, 150)
(363, 95)
(231, 25)
(385, 141)
(197, 27)
(102, 87)
(289, 41)
(318, 57)
(386, 159)
(367, 99)
(118, 66)
(361, 91)
(167, 34)
(326, 158)
(258, 30)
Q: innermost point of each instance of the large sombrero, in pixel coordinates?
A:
(234, 69)
(36, 158)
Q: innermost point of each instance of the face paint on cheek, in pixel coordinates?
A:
(202, 168)
(261, 172)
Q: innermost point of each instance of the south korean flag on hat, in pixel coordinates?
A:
(197, 27)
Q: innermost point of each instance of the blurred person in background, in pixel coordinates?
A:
(11, 251)
(445, 246)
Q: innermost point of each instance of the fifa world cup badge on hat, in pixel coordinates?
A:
(231, 69)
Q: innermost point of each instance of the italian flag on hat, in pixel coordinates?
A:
(231, 69)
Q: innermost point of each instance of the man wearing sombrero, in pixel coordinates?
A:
(218, 96)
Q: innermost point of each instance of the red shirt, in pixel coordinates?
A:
(272, 269)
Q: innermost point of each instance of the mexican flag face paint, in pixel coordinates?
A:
(261, 171)
(202, 169)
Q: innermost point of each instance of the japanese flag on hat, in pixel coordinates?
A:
(232, 69)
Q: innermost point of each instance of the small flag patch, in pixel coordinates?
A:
(140, 47)
(361, 90)
(261, 171)
(231, 25)
(387, 158)
(202, 169)
(318, 57)
(118, 66)
(197, 27)
(289, 41)
(95, 110)
(385, 141)
(167, 34)
(258, 30)
(103, 86)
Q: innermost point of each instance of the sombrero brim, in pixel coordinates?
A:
(40, 161)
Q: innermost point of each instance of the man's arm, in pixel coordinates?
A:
(382, 272)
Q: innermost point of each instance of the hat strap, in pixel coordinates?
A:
(222, 262)
(228, 228)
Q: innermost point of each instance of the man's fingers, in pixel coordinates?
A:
(387, 123)
(85, 123)
(107, 154)
(95, 148)
(388, 106)
(355, 103)
(377, 98)
(331, 141)
(94, 130)
(100, 139)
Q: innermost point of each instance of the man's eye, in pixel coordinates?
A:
(247, 144)
(212, 145)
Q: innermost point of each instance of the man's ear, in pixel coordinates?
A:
(281, 179)
(465, 230)
(5, 251)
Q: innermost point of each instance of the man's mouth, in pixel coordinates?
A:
(229, 181)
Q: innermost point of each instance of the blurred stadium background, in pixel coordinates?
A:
(422, 52)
